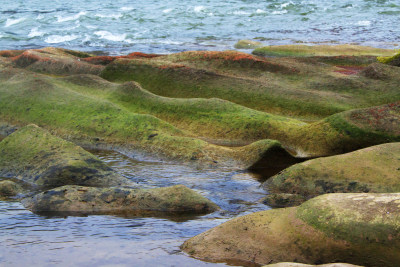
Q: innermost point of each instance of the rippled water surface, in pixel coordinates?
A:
(28, 239)
(171, 26)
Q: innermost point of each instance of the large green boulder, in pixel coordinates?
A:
(114, 200)
(373, 169)
(37, 157)
(357, 228)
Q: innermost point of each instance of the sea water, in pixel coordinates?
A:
(122, 26)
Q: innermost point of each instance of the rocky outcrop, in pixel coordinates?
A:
(373, 169)
(361, 229)
(35, 156)
(9, 189)
(114, 200)
(392, 60)
(55, 61)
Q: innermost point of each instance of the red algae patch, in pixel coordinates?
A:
(104, 60)
(349, 70)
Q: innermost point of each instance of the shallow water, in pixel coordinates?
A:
(27, 239)
(124, 26)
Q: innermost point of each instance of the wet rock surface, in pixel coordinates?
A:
(90, 200)
(362, 229)
(35, 156)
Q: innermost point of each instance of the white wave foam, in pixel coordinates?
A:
(279, 12)
(241, 13)
(199, 8)
(126, 8)
(168, 10)
(112, 37)
(260, 11)
(40, 16)
(286, 4)
(363, 23)
(35, 33)
(11, 22)
(112, 16)
(74, 17)
(55, 39)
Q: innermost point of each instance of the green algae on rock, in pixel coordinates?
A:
(35, 156)
(9, 188)
(117, 200)
(393, 60)
(361, 229)
(373, 169)
(321, 50)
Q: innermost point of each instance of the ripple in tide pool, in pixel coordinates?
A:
(28, 239)
(119, 27)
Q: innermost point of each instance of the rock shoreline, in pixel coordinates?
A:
(269, 111)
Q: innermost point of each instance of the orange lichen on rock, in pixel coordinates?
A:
(349, 70)
(11, 53)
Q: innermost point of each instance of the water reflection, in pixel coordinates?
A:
(28, 239)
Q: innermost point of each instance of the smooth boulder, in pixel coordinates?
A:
(9, 189)
(373, 169)
(37, 157)
(360, 229)
(114, 200)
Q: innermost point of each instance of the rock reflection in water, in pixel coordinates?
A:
(28, 239)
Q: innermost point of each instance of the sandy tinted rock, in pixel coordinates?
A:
(35, 156)
(89, 200)
(361, 229)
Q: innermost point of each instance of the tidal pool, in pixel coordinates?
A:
(27, 239)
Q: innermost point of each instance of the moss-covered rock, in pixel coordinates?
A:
(372, 169)
(320, 50)
(35, 156)
(9, 189)
(247, 44)
(114, 200)
(280, 200)
(361, 229)
(348, 131)
(55, 61)
(392, 60)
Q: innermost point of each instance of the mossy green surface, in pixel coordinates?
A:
(321, 50)
(35, 156)
(372, 169)
(115, 200)
(361, 229)
(9, 189)
(171, 123)
(309, 89)
(356, 218)
(393, 60)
